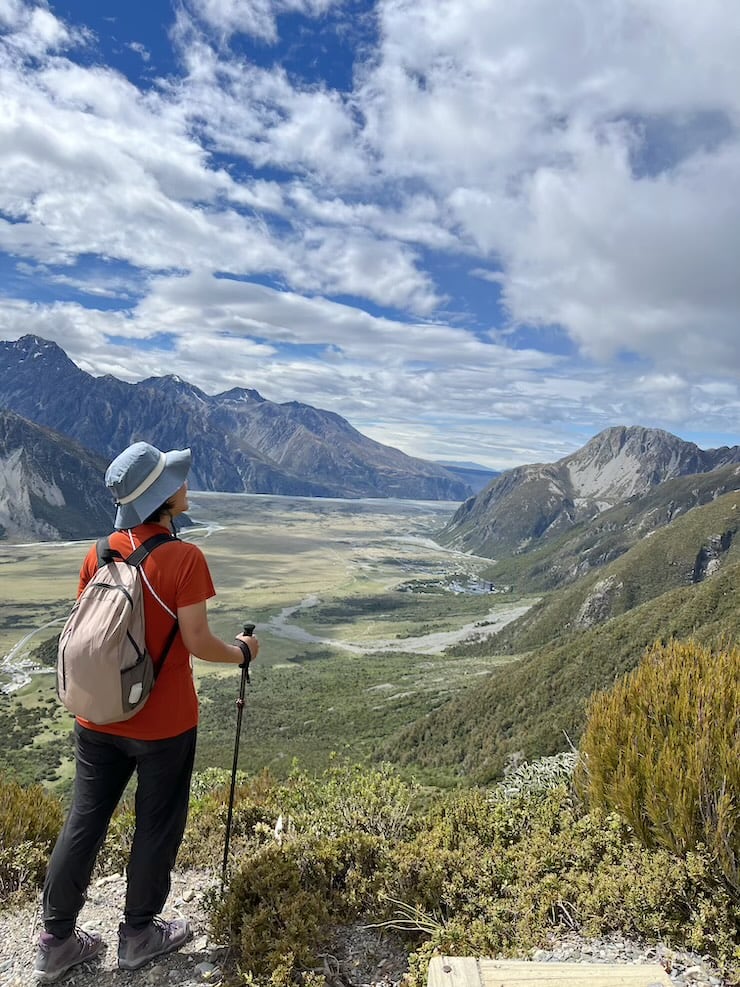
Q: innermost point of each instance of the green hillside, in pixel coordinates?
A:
(534, 704)
(679, 554)
(592, 544)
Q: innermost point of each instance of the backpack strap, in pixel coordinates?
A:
(104, 552)
(136, 559)
(146, 548)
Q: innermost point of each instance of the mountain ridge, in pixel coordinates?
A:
(241, 442)
(529, 505)
(680, 582)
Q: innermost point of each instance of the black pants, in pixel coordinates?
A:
(105, 763)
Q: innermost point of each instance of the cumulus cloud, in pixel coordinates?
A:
(533, 122)
(493, 170)
(253, 17)
(33, 30)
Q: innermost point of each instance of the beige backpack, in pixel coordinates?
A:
(104, 672)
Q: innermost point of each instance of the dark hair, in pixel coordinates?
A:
(162, 509)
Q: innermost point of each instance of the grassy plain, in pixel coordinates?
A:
(353, 607)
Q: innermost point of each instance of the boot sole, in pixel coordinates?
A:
(42, 977)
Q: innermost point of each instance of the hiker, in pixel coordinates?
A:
(158, 742)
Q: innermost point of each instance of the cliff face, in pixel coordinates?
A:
(50, 488)
(240, 441)
(531, 504)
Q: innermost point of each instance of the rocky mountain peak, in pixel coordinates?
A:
(626, 461)
(529, 504)
(241, 394)
(174, 386)
(49, 486)
(44, 352)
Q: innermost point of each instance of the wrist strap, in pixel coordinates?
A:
(244, 650)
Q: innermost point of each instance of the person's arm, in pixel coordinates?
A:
(202, 643)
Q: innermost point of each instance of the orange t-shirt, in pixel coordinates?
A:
(179, 575)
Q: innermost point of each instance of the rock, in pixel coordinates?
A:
(209, 973)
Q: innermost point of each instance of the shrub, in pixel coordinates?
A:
(254, 814)
(284, 899)
(472, 873)
(350, 798)
(324, 866)
(662, 747)
(30, 820)
(537, 777)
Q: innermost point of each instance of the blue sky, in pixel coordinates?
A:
(479, 230)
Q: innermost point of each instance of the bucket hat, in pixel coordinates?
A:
(142, 478)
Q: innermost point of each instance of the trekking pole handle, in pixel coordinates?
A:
(248, 631)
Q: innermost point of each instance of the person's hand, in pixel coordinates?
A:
(251, 642)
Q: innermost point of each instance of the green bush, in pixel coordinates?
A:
(284, 900)
(313, 853)
(663, 748)
(477, 872)
(30, 820)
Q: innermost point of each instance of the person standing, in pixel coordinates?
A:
(158, 742)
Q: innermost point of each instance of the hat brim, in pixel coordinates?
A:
(176, 468)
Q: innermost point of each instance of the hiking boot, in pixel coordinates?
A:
(56, 956)
(135, 948)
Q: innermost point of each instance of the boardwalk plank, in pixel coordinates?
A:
(467, 971)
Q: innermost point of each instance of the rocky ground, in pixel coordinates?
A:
(358, 956)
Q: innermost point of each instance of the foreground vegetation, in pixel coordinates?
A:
(478, 872)
(643, 840)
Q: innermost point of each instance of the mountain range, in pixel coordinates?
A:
(525, 507)
(546, 524)
(240, 441)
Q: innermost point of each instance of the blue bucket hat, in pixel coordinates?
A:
(142, 478)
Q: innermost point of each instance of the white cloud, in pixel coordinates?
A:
(254, 17)
(644, 265)
(583, 158)
(528, 120)
(33, 30)
(93, 166)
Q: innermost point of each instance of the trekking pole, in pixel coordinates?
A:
(248, 630)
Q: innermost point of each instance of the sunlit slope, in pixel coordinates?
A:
(682, 553)
(680, 582)
(594, 543)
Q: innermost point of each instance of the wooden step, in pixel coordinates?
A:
(469, 971)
